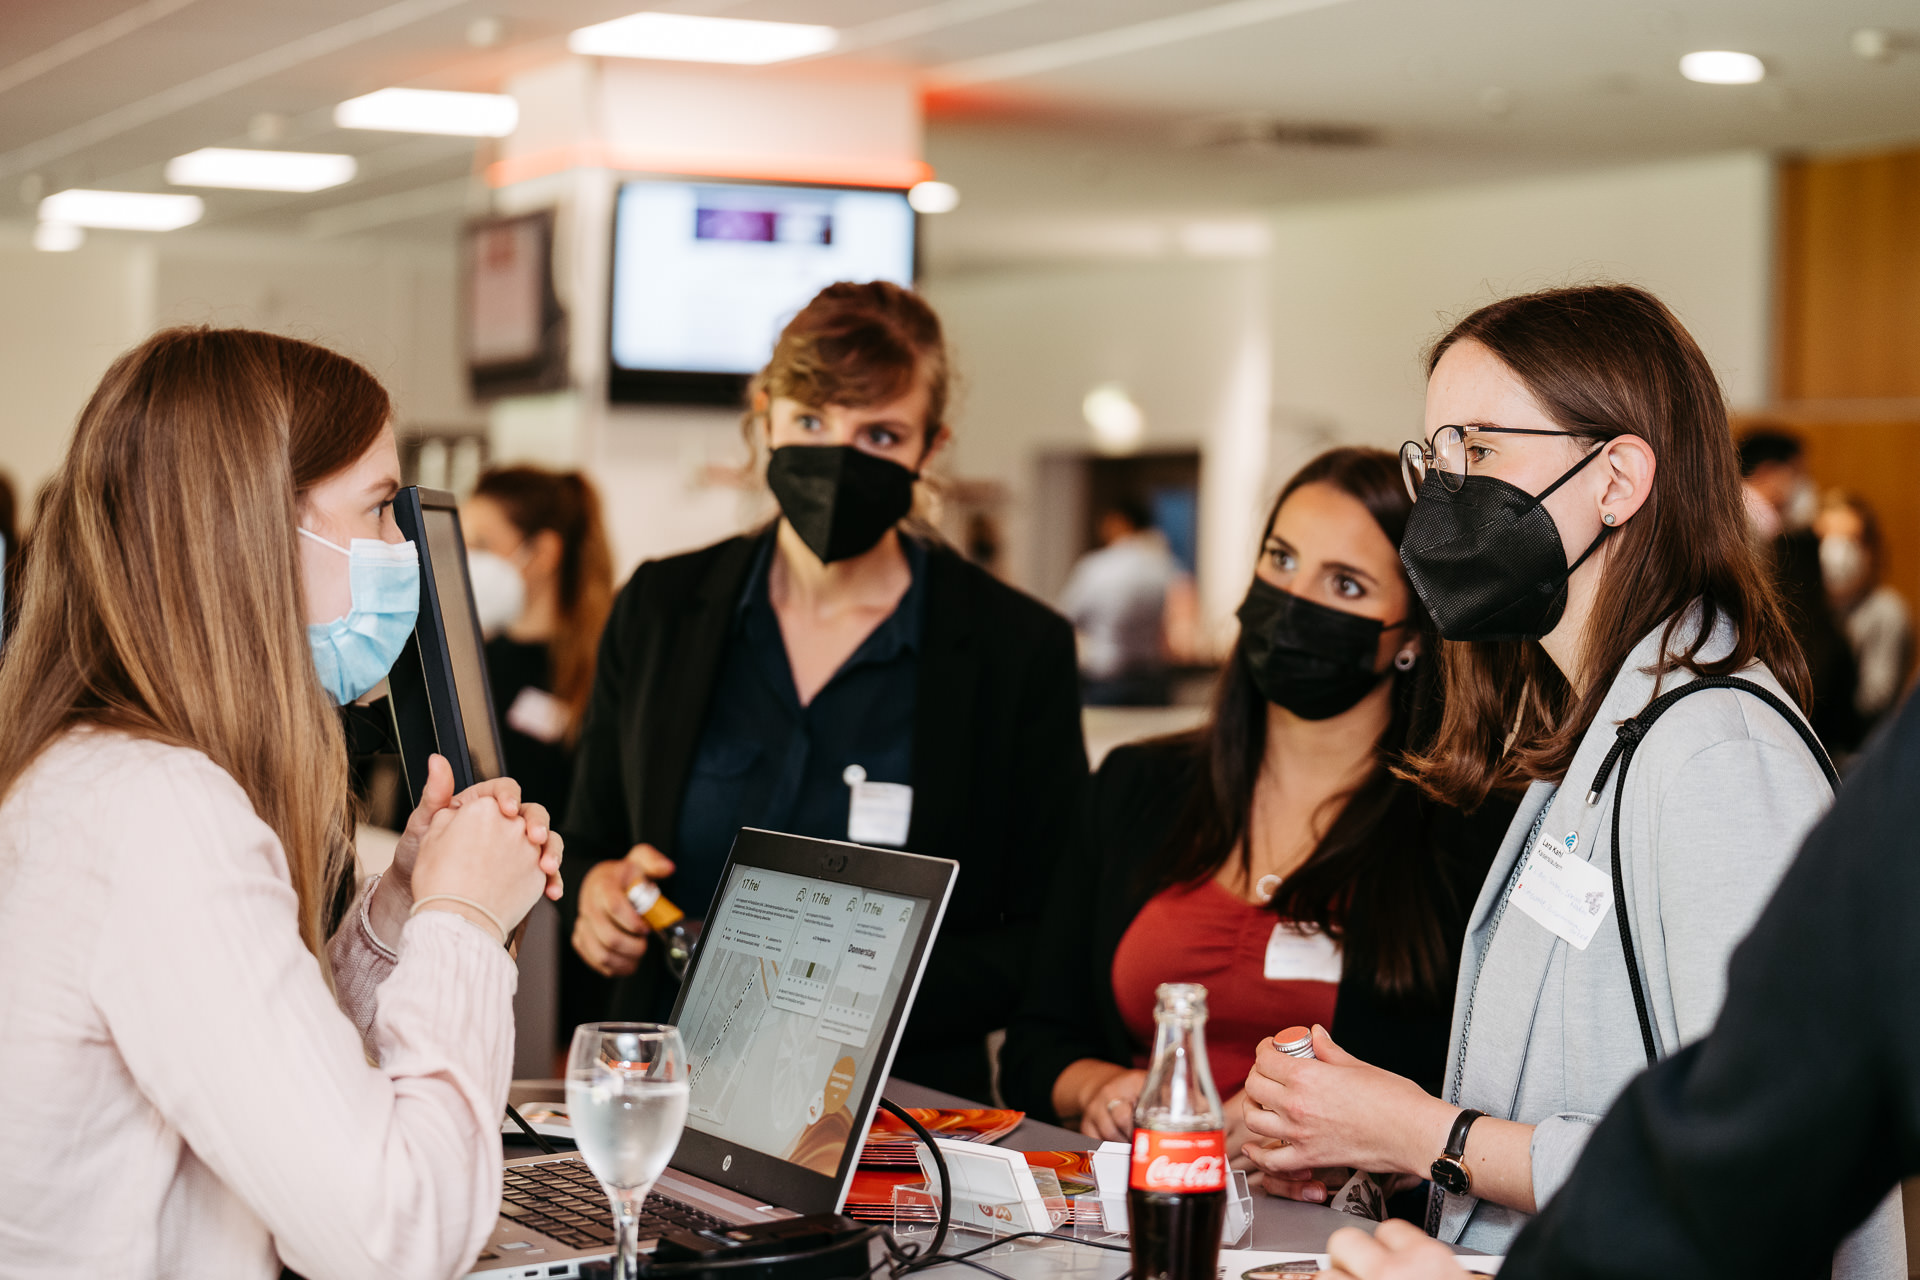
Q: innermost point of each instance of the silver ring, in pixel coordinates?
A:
(1111, 1104)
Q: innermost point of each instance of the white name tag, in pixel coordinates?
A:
(1567, 896)
(539, 715)
(878, 812)
(1301, 957)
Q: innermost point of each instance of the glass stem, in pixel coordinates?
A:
(626, 1229)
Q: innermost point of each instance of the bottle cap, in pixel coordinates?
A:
(1295, 1042)
(653, 906)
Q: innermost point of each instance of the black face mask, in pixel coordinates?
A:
(1314, 661)
(1488, 561)
(839, 499)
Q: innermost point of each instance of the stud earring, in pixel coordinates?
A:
(1404, 660)
(1607, 519)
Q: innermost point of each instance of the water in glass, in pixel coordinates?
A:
(627, 1101)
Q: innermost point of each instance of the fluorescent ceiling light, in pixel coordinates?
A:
(260, 170)
(466, 115)
(680, 37)
(1722, 66)
(58, 237)
(933, 197)
(121, 210)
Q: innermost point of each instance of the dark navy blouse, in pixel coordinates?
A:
(763, 760)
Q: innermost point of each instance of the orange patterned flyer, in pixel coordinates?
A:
(871, 1195)
(891, 1143)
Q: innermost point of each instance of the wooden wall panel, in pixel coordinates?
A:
(1848, 313)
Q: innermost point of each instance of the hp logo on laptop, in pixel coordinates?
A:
(726, 1164)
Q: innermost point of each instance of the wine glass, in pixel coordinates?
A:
(627, 1101)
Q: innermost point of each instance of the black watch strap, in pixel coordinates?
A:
(1457, 1136)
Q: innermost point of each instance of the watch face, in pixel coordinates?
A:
(1450, 1176)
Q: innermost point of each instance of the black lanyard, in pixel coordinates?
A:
(1630, 733)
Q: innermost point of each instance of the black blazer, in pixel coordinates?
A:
(999, 771)
(1133, 806)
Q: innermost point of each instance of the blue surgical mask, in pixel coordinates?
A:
(354, 652)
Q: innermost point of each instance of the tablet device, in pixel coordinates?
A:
(438, 689)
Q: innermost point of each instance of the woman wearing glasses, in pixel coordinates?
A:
(1578, 540)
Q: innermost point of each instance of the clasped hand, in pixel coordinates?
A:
(484, 844)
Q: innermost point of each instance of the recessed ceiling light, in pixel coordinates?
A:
(58, 237)
(121, 210)
(260, 170)
(933, 197)
(680, 37)
(465, 115)
(1722, 66)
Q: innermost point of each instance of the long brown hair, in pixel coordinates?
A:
(1604, 361)
(565, 502)
(163, 597)
(1361, 884)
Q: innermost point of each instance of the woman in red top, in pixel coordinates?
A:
(1272, 855)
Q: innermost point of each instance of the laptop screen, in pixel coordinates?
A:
(811, 956)
(779, 1020)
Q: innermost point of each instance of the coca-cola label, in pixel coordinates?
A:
(1179, 1161)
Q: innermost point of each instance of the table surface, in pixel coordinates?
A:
(1278, 1224)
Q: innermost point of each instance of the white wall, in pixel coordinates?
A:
(65, 316)
(1359, 288)
(1263, 364)
(1187, 339)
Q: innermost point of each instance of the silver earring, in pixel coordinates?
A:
(1404, 660)
(1607, 519)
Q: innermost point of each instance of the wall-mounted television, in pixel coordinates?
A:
(705, 275)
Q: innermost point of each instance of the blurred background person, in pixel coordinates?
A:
(1117, 602)
(543, 584)
(1781, 503)
(1272, 854)
(836, 674)
(1874, 616)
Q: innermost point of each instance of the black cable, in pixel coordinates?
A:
(1032, 1235)
(946, 1184)
(539, 1140)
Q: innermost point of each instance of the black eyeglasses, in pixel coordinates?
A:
(1447, 455)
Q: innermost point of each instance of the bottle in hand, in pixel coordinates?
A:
(1177, 1190)
(668, 922)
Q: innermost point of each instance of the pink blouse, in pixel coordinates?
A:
(182, 1094)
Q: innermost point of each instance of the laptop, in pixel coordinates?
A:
(790, 1014)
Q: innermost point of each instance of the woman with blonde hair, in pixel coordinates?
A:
(221, 1076)
(836, 675)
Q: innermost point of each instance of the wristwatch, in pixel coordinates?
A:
(1449, 1172)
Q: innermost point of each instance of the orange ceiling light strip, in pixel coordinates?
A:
(825, 170)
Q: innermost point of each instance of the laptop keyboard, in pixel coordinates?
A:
(562, 1199)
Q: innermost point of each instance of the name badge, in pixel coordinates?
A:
(539, 715)
(878, 812)
(1293, 956)
(1567, 896)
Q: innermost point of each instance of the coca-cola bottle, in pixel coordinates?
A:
(1177, 1192)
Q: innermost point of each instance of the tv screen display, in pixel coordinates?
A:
(705, 274)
